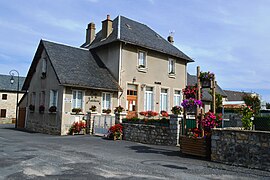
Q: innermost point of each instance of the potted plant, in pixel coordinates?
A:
(31, 108)
(148, 114)
(176, 110)
(206, 78)
(115, 132)
(77, 128)
(191, 104)
(118, 109)
(107, 111)
(164, 113)
(93, 108)
(76, 110)
(41, 108)
(52, 109)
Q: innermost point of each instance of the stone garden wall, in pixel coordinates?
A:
(241, 147)
(151, 134)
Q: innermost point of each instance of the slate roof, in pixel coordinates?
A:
(235, 95)
(192, 80)
(130, 31)
(5, 84)
(76, 67)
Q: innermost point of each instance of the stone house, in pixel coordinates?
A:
(126, 63)
(8, 97)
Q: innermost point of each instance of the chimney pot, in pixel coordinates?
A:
(90, 33)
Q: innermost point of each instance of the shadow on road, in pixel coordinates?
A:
(147, 149)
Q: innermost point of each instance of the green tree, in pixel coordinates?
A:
(252, 101)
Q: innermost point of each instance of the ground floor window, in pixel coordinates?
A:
(149, 99)
(77, 99)
(53, 98)
(164, 100)
(106, 100)
(3, 113)
(177, 98)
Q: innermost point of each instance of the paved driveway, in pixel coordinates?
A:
(25, 155)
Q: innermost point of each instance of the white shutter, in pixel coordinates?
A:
(51, 98)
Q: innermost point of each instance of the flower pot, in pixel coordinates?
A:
(117, 137)
(206, 83)
(196, 146)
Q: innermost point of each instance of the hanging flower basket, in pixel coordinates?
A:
(190, 105)
(206, 78)
(206, 83)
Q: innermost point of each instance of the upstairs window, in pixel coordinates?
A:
(53, 98)
(4, 96)
(171, 67)
(44, 68)
(33, 98)
(142, 59)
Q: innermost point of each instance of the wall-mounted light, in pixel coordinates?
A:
(142, 86)
(134, 79)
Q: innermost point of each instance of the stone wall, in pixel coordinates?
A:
(151, 134)
(241, 147)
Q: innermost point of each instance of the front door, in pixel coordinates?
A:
(132, 101)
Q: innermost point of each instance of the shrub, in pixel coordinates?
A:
(176, 110)
(118, 109)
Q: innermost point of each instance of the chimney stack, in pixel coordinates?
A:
(170, 39)
(90, 33)
(106, 27)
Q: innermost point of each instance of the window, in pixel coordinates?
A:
(3, 113)
(44, 68)
(177, 98)
(4, 96)
(42, 98)
(106, 100)
(141, 59)
(53, 97)
(77, 100)
(164, 100)
(171, 66)
(149, 99)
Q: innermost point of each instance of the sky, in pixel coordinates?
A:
(230, 38)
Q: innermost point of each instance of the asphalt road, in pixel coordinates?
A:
(25, 155)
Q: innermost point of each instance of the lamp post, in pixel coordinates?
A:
(18, 84)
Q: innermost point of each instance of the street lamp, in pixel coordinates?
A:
(18, 84)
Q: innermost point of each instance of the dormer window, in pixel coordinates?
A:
(44, 68)
(171, 67)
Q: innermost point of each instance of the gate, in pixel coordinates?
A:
(102, 123)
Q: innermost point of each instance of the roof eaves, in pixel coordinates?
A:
(89, 87)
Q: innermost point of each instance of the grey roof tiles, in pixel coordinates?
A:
(5, 84)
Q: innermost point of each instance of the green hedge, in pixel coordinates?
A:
(262, 123)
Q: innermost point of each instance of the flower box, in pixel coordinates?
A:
(196, 146)
(206, 83)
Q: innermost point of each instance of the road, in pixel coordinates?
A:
(25, 155)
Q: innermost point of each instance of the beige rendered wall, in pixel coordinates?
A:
(47, 122)
(109, 55)
(90, 97)
(10, 103)
(157, 71)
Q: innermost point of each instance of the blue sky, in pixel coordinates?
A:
(230, 38)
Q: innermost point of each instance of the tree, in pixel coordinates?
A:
(252, 101)
(267, 105)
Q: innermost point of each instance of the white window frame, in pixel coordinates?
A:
(74, 104)
(162, 96)
(44, 65)
(177, 96)
(33, 98)
(171, 69)
(139, 59)
(146, 105)
(53, 98)
(42, 98)
(102, 100)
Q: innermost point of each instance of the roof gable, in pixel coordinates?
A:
(130, 31)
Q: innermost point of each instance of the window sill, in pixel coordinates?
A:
(142, 69)
(76, 113)
(171, 76)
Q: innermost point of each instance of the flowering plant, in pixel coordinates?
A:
(148, 113)
(52, 109)
(115, 131)
(77, 127)
(93, 108)
(176, 110)
(164, 113)
(190, 103)
(190, 91)
(206, 76)
(76, 110)
(41, 108)
(118, 109)
(31, 107)
(194, 133)
(211, 120)
(107, 111)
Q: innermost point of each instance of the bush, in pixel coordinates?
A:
(262, 123)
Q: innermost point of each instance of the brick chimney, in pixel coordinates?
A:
(90, 33)
(106, 27)
(170, 39)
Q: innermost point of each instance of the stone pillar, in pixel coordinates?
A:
(176, 127)
(91, 121)
(119, 117)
